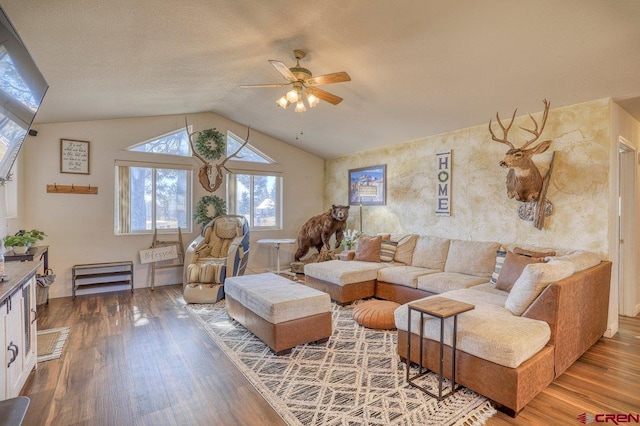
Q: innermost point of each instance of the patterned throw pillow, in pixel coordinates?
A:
(500, 255)
(388, 250)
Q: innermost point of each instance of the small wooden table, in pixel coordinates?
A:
(443, 308)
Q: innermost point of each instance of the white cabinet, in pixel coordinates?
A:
(14, 343)
(18, 339)
(3, 362)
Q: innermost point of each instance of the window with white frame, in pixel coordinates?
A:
(152, 196)
(258, 197)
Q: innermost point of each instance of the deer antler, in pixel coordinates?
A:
(505, 130)
(205, 169)
(535, 132)
(221, 166)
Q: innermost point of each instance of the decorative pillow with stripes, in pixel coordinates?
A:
(500, 255)
(388, 250)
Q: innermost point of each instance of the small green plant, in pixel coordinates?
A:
(38, 235)
(24, 240)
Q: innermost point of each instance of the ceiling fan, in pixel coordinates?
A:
(304, 84)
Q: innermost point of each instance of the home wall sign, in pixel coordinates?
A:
(443, 189)
(75, 156)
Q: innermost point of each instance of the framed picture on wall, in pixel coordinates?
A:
(368, 185)
(75, 156)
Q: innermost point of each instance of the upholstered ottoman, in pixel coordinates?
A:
(280, 312)
(377, 314)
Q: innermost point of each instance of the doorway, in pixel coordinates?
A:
(626, 228)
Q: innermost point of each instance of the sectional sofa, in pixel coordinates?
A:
(517, 340)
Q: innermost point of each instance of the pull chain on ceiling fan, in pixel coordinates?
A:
(304, 85)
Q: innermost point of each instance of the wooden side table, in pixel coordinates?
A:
(443, 308)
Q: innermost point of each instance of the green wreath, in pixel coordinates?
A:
(202, 208)
(211, 144)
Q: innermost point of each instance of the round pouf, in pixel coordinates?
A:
(376, 314)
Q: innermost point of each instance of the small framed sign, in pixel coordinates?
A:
(75, 156)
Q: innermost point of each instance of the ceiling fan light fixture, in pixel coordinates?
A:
(283, 102)
(300, 106)
(292, 96)
(312, 99)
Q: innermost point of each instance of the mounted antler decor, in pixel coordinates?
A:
(209, 146)
(524, 181)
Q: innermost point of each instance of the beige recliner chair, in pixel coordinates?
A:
(220, 251)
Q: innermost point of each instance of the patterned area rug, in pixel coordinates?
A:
(50, 343)
(356, 378)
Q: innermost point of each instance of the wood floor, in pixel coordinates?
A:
(140, 359)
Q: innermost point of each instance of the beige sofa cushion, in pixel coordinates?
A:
(489, 331)
(430, 252)
(535, 278)
(471, 257)
(342, 273)
(403, 275)
(406, 244)
(581, 259)
(447, 281)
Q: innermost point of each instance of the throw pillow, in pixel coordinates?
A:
(513, 266)
(406, 244)
(534, 279)
(500, 255)
(531, 253)
(368, 249)
(388, 250)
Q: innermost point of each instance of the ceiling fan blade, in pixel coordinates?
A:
(284, 70)
(336, 77)
(324, 95)
(249, 86)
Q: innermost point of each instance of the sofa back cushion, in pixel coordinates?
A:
(430, 252)
(406, 245)
(476, 258)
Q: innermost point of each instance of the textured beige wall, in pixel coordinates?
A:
(579, 187)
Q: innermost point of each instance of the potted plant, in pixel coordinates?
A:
(349, 239)
(19, 243)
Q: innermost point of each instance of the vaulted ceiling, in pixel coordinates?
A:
(418, 68)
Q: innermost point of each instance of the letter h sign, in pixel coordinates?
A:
(443, 191)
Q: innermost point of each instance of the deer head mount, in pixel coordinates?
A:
(524, 181)
(209, 179)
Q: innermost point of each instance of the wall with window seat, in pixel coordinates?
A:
(80, 228)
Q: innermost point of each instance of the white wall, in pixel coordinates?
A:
(80, 228)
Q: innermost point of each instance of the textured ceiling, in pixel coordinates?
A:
(418, 68)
